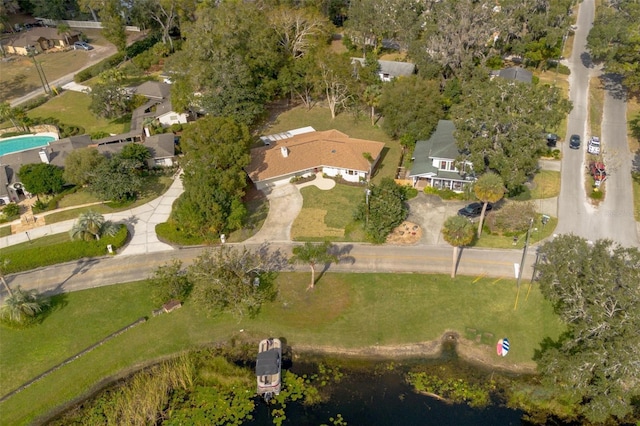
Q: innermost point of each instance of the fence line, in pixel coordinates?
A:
(82, 24)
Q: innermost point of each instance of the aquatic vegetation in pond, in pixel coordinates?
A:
(451, 389)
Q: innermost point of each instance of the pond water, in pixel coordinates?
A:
(378, 395)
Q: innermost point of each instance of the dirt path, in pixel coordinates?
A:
(467, 350)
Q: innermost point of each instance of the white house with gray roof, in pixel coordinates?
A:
(434, 161)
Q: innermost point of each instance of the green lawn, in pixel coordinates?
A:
(356, 127)
(328, 214)
(538, 233)
(546, 184)
(345, 310)
(72, 108)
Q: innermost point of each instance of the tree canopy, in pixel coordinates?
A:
(614, 40)
(593, 370)
(457, 231)
(499, 126)
(41, 178)
(216, 150)
(411, 106)
(116, 179)
(382, 209)
(489, 188)
(235, 280)
(80, 164)
(312, 254)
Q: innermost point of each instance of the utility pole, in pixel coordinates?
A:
(39, 70)
(524, 254)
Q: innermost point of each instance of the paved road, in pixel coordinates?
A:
(96, 272)
(613, 219)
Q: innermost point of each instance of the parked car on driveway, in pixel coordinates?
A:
(574, 142)
(552, 139)
(594, 145)
(81, 45)
(473, 210)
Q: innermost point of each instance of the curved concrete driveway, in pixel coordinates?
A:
(285, 204)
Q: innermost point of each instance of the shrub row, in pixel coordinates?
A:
(116, 59)
(40, 256)
(172, 234)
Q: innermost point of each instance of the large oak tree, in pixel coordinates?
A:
(594, 368)
(216, 150)
(500, 123)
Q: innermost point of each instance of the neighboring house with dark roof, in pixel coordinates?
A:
(162, 149)
(514, 73)
(39, 40)
(434, 161)
(158, 107)
(330, 152)
(388, 70)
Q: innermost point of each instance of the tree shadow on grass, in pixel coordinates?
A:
(56, 302)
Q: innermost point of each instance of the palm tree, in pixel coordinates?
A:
(63, 30)
(312, 254)
(8, 113)
(91, 225)
(489, 188)
(3, 264)
(457, 231)
(23, 305)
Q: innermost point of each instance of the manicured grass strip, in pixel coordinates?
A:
(546, 184)
(345, 310)
(596, 106)
(58, 248)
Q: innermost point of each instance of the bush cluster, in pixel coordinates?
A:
(173, 234)
(445, 194)
(95, 70)
(37, 257)
(511, 219)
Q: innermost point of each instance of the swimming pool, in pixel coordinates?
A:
(25, 142)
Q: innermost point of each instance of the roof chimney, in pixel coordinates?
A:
(284, 151)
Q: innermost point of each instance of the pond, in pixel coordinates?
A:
(382, 397)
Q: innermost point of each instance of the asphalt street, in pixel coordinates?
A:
(613, 218)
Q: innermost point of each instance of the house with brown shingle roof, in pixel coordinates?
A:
(40, 39)
(330, 152)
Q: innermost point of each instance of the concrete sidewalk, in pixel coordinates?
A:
(141, 222)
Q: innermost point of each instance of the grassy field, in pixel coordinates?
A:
(72, 108)
(356, 127)
(327, 214)
(345, 310)
(19, 76)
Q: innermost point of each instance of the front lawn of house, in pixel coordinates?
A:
(328, 215)
(345, 310)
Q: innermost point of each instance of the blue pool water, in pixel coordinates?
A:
(22, 143)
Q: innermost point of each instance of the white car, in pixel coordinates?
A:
(594, 145)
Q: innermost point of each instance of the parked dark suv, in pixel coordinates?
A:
(473, 210)
(574, 142)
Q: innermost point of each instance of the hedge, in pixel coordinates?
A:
(116, 59)
(28, 258)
